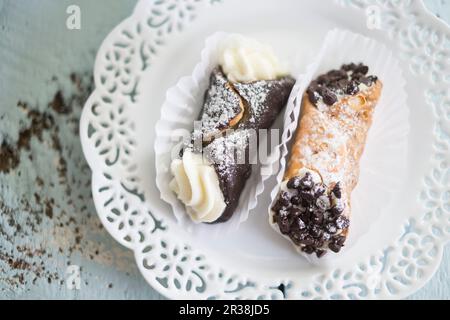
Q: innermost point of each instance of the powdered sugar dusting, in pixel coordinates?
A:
(228, 151)
(257, 95)
(330, 133)
(221, 105)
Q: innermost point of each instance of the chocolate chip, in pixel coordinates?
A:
(318, 243)
(308, 249)
(276, 207)
(307, 197)
(323, 203)
(299, 224)
(280, 205)
(334, 247)
(349, 67)
(342, 222)
(293, 182)
(335, 75)
(341, 86)
(326, 236)
(296, 200)
(336, 210)
(339, 240)
(337, 190)
(297, 236)
(329, 97)
(305, 204)
(362, 69)
(283, 202)
(352, 88)
(285, 196)
(306, 182)
(283, 213)
(307, 241)
(342, 83)
(295, 212)
(284, 224)
(320, 253)
(368, 81)
(357, 77)
(331, 218)
(331, 228)
(323, 79)
(306, 217)
(316, 232)
(317, 218)
(334, 87)
(313, 96)
(319, 189)
(314, 85)
(310, 209)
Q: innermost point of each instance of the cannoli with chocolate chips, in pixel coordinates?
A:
(312, 209)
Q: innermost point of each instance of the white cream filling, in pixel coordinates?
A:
(196, 184)
(245, 60)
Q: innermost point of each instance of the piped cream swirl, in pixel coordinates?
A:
(196, 184)
(245, 60)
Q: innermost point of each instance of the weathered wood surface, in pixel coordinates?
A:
(47, 217)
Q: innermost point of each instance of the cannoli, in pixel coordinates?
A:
(312, 209)
(246, 93)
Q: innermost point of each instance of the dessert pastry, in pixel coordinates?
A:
(312, 209)
(247, 91)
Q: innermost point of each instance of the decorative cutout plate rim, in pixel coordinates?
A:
(176, 269)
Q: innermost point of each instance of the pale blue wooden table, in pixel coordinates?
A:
(47, 217)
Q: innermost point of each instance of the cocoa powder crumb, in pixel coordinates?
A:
(48, 210)
(59, 105)
(9, 157)
(24, 263)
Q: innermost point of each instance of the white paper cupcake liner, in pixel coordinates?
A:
(382, 166)
(180, 110)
